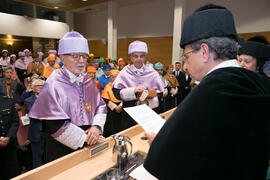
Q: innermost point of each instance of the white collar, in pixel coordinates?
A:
(74, 78)
(228, 63)
(137, 71)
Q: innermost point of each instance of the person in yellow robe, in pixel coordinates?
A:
(91, 71)
(114, 106)
(170, 99)
(50, 66)
(36, 66)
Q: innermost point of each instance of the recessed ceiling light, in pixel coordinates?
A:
(84, 0)
(56, 7)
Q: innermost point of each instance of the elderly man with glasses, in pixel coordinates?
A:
(70, 105)
(221, 129)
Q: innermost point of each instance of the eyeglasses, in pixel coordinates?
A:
(77, 57)
(38, 85)
(184, 56)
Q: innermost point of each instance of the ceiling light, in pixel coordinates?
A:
(84, 0)
(56, 7)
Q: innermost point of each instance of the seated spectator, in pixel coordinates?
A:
(50, 66)
(36, 66)
(10, 85)
(35, 135)
(12, 61)
(54, 52)
(21, 66)
(28, 55)
(4, 60)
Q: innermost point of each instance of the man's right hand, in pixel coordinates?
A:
(118, 109)
(139, 89)
(150, 137)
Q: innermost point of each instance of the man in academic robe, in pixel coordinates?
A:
(28, 56)
(69, 105)
(104, 79)
(162, 104)
(36, 66)
(137, 84)
(114, 107)
(50, 66)
(54, 52)
(21, 66)
(221, 130)
(173, 85)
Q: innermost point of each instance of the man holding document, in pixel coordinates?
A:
(137, 84)
(221, 130)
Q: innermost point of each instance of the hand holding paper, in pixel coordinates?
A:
(148, 119)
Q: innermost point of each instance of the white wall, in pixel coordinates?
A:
(249, 15)
(23, 26)
(154, 18)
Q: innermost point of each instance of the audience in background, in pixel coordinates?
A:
(12, 61)
(253, 54)
(10, 85)
(171, 98)
(4, 60)
(104, 79)
(50, 66)
(36, 66)
(114, 108)
(21, 66)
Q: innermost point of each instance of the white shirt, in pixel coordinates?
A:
(74, 78)
(228, 63)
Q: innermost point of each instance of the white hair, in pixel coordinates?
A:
(35, 81)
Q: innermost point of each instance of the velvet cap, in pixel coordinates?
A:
(137, 46)
(208, 21)
(73, 42)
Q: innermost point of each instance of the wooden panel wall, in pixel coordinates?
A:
(246, 36)
(159, 49)
(19, 43)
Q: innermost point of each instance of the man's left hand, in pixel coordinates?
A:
(4, 141)
(92, 135)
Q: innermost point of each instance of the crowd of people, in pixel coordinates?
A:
(51, 106)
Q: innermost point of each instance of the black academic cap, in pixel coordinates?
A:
(208, 21)
(257, 47)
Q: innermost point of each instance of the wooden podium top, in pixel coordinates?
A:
(80, 165)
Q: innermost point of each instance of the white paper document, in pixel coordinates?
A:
(140, 173)
(148, 119)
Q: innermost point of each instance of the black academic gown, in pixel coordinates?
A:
(220, 131)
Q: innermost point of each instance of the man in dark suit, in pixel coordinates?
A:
(9, 123)
(34, 132)
(184, 83)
